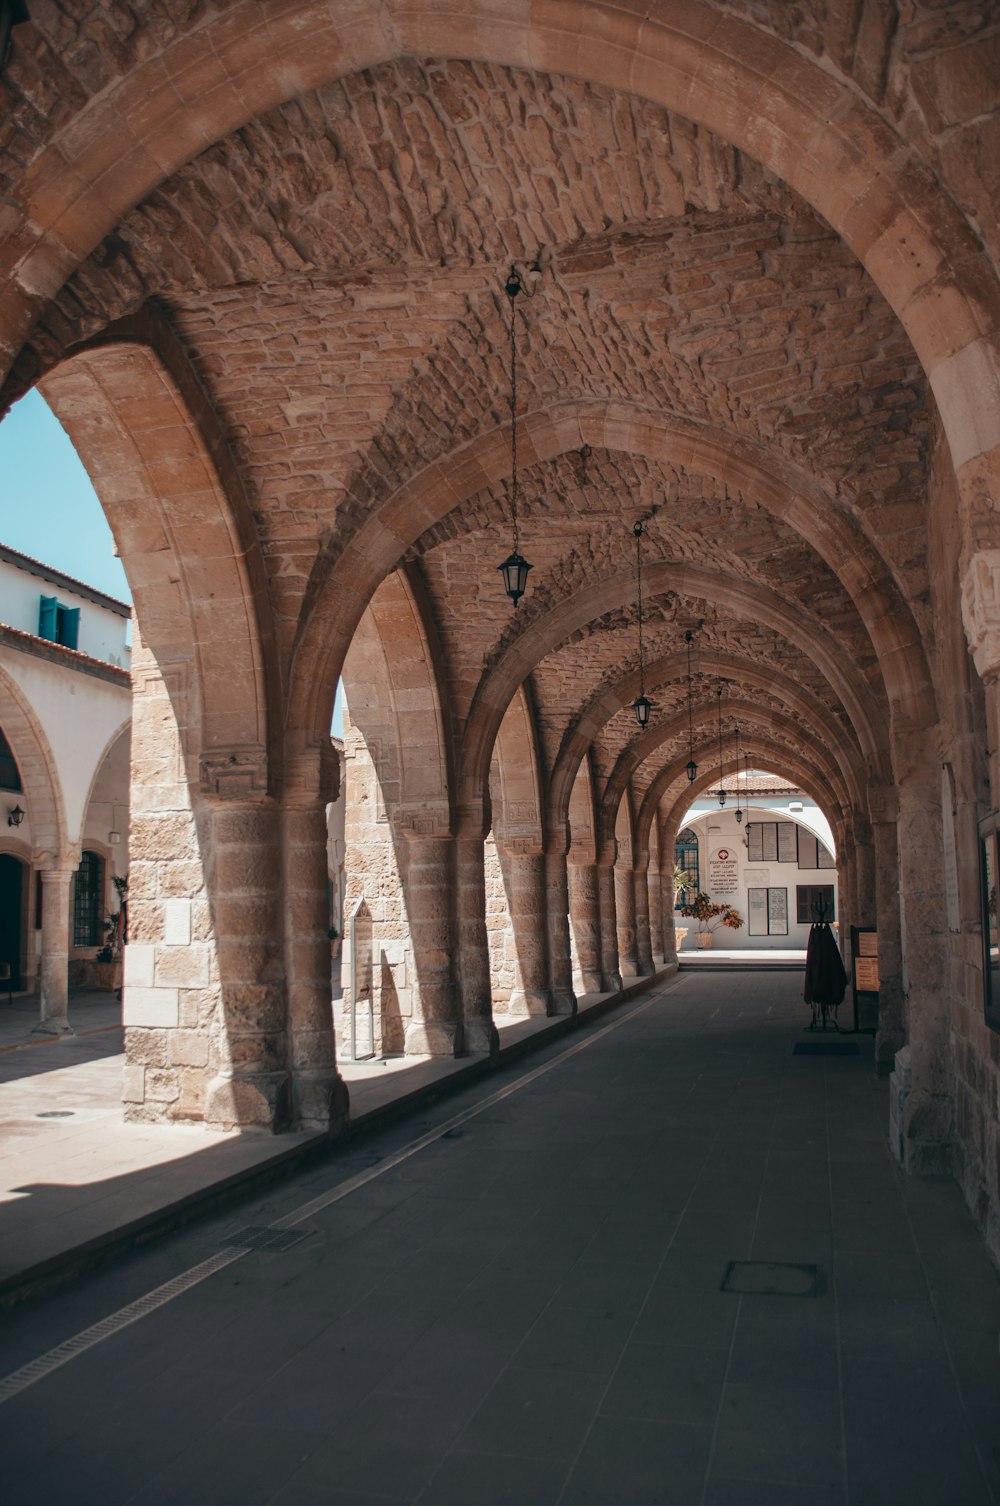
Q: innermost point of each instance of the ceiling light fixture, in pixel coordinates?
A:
(722, 789)
(692, 767)
(515, 567)
(642, 705)
(739, 807)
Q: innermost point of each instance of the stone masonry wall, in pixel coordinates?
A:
(175, 1037)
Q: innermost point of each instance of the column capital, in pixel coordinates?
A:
(312, 776)
(981, 611)
(883, 802)
(237, 772)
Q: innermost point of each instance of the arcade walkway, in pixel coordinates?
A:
(516, 1299)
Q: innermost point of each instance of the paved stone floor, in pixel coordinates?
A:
(524, 1307)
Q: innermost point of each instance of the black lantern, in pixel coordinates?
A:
(722, 792)
(739, 810)
(692, 768)
(515, 575)
(15, 816)
(515, 567)
(642, 705)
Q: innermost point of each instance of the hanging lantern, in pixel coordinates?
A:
(722, 792)
(739, 810)
(642, 705)
(692, 768)
(515, 575)
(515, 567)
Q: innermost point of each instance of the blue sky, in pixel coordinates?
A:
(49, 509)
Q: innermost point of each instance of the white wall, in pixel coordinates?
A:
(718, 830)
(104, 634)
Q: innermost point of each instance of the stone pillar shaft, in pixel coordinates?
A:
(891, 1036)
(319, 1096)
(525, 875)
(585, 916)
(54, 978)
(478, 1031)
(562, 999)
(628, 956)
(643, 939)
(609, 926)
(667, 917)
(435, 1026)
(654, 899)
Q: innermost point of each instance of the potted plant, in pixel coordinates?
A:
(682, 884)
(334, 937)
(710, 915)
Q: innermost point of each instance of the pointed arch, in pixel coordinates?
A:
(36, 764)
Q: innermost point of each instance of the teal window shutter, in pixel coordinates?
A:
(47, 618)
(70, 626)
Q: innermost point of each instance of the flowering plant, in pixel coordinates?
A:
(710, 915)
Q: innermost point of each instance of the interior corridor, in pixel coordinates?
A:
(526, 1309)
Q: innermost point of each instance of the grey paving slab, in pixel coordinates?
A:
(530, 1312)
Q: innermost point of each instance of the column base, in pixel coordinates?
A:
(928, 1140)
(259, 1100)
(528, 1001)
(481, 1037)
(432, 1038)
(53, 1027)
(321, 1101)
(563, 1002)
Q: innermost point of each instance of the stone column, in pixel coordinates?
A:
(526, 876)
(240, 836)
(628, 956)
(891, 1036)
(929, 1131)
(435, 1026)
(585, 910)
(53, 990)
(654, 899)
(668, 919)
(643, 939)
(478, 1030)
(606, 888)
(319, 1094)
(562, 999)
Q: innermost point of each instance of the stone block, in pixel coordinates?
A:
(138, 965)
(182, 967)
(133, 1083)
(150, 1006)
(177, 922)
(188, 1048)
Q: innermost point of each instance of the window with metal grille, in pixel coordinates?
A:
(88, 892)
(10, 779)
(686, 857)
(814, 902)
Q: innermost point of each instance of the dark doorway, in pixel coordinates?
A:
(11, 898)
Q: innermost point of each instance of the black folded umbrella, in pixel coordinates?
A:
(826, 976)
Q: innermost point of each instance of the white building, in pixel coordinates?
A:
(777, 866)
(65, 721)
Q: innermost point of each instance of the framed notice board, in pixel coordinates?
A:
(864, 977)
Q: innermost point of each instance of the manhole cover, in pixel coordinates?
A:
(56, 1114)
(260, 1237)
(825, 1048)
(771, 1278)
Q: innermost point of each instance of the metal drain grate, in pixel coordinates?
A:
(261, 1237)
(826, 1048)
(771, 1278)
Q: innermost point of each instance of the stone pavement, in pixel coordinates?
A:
(526, 1309)
(75, 1179)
